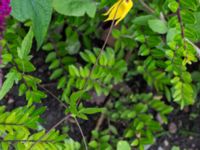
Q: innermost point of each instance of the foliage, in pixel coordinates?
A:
(148, 67)
(141, 124)
(15, 130)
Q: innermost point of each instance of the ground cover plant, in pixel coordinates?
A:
(99, 75)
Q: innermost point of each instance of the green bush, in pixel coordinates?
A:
(145, 69)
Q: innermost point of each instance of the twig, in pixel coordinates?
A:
(82, 134)
(180, 20)
(53, 127)
(54, 96)
(181, 23)
(100, 121)
(102, 117)
(162, 17)
(48, 84)
(149, 9)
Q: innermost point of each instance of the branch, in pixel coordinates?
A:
(149, 9)
(54, 96)
(181, 23)
(53, 127)
(102, 117)
(82, 134)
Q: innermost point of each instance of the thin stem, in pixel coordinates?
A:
(180, 20)
(181, 23)
(149, 9)
(53, 127)
(102, 117)
(82, 134)
(54, 96)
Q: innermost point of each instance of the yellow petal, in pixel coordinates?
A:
(114, 6)
(119, 10)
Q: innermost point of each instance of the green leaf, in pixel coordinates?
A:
(135, 142)
(90, 110)
(173, 6)
(22, 89)
(142, 20)
(175, 148)
(6, 58)
(123, 145)
(73, 71)
(196, 26)
(62, 82)
(183, 93)
(76, 95)
(140, 126)
(72, 43)
(31, 81)
(56, 74)
(11, 78)
(91, 56)
(50, 57)
(75, 7)
(24, 65)
(192, 4)
(73, 99)
(38, 11)
(5, 146)
(144, 51)
(158, 26)
(48, 47)
(171, 34)
(105, 138)
(26, 45)
(55, 64)
(34, 96)
(93, 144)
(188, 17)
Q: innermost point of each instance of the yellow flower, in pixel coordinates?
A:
(119, 10)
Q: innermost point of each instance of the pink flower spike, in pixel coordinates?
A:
(5, 11)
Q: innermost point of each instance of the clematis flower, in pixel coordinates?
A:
(119, 10)
(5, 10)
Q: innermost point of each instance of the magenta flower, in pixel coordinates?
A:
(5, 10)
